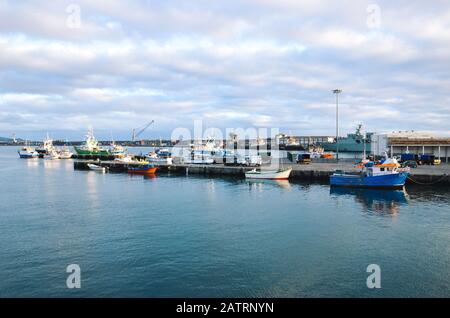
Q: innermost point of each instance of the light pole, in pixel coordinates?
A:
(337, 92)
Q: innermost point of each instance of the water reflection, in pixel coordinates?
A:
(260, 184)
(379, 201)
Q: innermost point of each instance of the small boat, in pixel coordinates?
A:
(142, 169)
(385, 175)
(269, 174)
(96, 167)
(28, 153)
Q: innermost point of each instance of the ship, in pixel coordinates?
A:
(384, 175)
(91, 147)
(355, 142)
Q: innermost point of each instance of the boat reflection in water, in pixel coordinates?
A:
(261, 183)
(374, 200)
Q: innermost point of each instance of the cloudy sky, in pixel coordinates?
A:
(116, 65)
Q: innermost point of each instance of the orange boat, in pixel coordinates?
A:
(143, 169)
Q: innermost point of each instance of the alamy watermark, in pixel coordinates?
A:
(373, 16)
(374, 279)
(74, 278)
(73, 20)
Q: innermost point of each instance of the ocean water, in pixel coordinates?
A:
(188, 236)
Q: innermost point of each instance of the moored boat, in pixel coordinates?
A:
(142, 169)
(65, 153)
(118, 151)
(269, 174)
(91, 147)
(47, 146)
(385, 175)
(28, 153)
(96, 167)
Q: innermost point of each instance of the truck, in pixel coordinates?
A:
(409, 157)
(428, 159)
(304, 158)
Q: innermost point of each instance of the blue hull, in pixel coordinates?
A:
(390, 181)
(22, 156)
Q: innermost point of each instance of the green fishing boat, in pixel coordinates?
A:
(91, 147)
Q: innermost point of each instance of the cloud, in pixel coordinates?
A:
(232, 63)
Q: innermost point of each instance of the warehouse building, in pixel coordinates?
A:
(398, 142)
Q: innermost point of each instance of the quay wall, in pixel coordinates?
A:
(313, 172)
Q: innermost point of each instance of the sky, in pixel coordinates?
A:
(116, 65)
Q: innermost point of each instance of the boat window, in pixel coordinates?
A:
(381, 169)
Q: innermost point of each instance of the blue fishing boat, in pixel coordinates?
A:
(385, 175)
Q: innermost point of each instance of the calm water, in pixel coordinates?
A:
(196, 237)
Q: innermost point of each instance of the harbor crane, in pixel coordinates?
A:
(137, 134)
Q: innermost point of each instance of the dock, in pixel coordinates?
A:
(424, 175)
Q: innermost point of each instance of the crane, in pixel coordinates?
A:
(137, 134)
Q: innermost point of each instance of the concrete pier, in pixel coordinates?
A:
(439, 175)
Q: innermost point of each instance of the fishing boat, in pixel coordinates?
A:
(65, 153)
(28, 153)
(91, 146)
(160, 156)
(282, 174)
(53, 154)
(126, 159)
(198, 157)
(96, 167)
(47, 146)
(117, 150)
(386, 175)
(142, 169)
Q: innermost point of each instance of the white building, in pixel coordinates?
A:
(398, 142)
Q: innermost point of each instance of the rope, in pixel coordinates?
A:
(431, 183)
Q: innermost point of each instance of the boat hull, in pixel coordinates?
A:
(389, 181)
(28, 156)
(96, 168)
(269, 175)
(84, 152)
(145, 169)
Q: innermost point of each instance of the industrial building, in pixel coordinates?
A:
(398, 142)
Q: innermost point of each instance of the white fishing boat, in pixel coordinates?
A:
(160, 156)
(199, 157)
(117, 150)
(126, 159)
(47, 146)
(65, 153)
(96, 167)
(282, 174)
(53, 154)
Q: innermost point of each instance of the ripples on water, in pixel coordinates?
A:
(212, 237)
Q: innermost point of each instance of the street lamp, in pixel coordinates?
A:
(337, 92)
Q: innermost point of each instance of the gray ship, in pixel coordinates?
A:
(352, 143)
